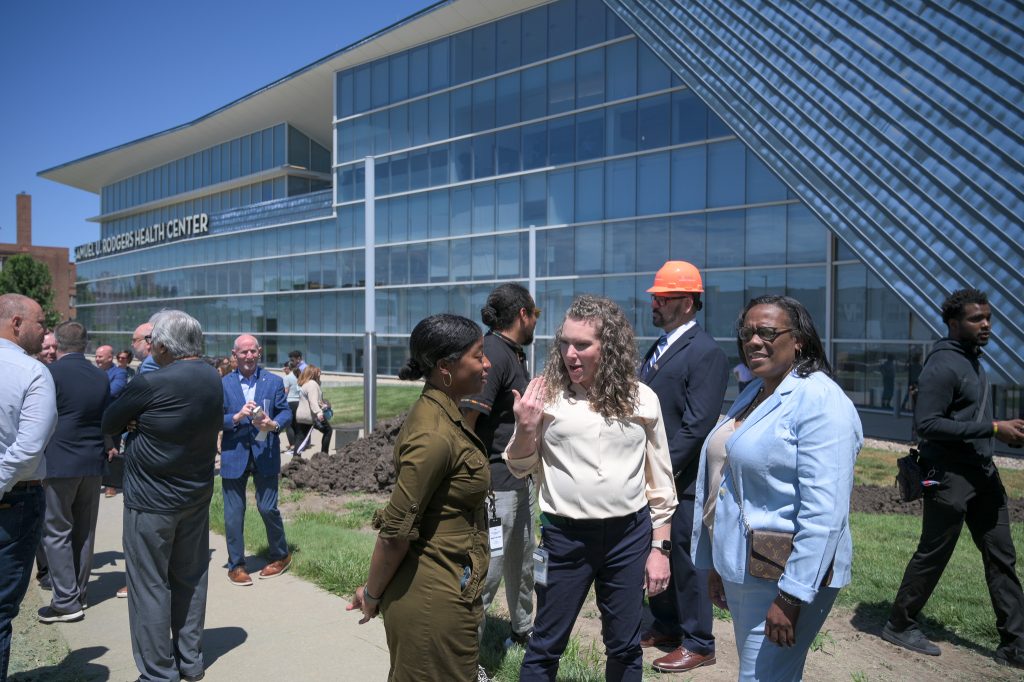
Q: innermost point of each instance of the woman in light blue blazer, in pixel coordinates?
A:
(781, 460)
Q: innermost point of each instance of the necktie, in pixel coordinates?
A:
(659, 349)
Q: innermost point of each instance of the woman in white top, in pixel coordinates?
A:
(593, 437)
(311, 408)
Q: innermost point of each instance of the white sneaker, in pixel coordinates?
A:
(481, 674)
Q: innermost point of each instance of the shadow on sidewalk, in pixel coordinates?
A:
(75, 667)
(219, 641)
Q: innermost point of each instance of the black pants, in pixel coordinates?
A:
(973, 494)
(293, 441)
(325, 430)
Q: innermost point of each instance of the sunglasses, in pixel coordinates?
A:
(662, 300)
(768, 334)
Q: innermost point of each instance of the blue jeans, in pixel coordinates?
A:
(234, 516)
(21, 523)
(610, 554)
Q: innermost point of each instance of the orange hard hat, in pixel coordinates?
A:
(677, 275)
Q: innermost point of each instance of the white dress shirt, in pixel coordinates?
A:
(590, 467)
(28, 415)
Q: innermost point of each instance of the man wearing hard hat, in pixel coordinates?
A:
(689, 372)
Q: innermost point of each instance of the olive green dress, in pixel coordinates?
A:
(432, 607)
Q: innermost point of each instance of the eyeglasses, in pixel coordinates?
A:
(136, 339)
(768, 334)
(661, 300)
(247, 352)
(147, 338)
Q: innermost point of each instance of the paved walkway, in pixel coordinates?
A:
(280, 629)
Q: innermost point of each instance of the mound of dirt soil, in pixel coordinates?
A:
(365, 465)
(874, 499)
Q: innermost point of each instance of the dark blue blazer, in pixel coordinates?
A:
(690, 379)
(83, 392)
(239, 439)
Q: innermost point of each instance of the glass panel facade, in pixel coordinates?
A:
(480, 138)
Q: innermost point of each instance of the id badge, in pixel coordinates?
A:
(497, 538)
(540, 566)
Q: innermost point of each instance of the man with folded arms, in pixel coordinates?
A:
(28, 415)
(168, 481)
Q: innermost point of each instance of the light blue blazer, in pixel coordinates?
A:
(791, 463)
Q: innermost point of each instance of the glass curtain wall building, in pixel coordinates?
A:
(552, 147)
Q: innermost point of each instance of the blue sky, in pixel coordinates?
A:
(81, 77)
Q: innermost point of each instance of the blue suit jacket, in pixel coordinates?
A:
(118, 378)
(791, 463)
(239, 439)
(690, 379)
(78, 447)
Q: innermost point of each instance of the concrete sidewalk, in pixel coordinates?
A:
(283, 628)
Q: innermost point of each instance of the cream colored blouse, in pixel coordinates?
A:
(592, 468)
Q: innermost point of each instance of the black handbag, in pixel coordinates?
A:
(908, 476)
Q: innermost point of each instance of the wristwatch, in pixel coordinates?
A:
(663, 545)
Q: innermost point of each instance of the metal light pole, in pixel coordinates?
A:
(370, 294)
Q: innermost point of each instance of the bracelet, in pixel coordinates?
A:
(789, 599)
(995, 427)
(369, 597)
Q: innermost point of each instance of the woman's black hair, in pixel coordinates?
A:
(436, 338)
(504, 304)
(811, 357)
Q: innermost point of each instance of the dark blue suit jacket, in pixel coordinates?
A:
(690, 379)
(239, 439)
(83, 392)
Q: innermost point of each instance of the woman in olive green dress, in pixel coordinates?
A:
(430, 560)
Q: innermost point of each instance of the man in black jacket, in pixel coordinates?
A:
(954, 421)
(74, 468)
(689, 371)
(168, 483)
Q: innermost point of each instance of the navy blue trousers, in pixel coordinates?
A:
(234, 517)
(611, 555)
(21, 523)
(684, 608)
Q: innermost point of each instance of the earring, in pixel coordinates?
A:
(446, 375)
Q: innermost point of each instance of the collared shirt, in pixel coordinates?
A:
(677, 333)
(590, 467)
(28, 415)
(249, 384)
(148, 365)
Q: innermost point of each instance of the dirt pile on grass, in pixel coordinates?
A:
(874, 499)
(365, 465)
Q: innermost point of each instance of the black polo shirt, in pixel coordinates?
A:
(496, 421)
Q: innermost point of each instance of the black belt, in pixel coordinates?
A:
(24, 485)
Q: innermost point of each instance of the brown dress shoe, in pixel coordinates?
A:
(681, 660)
(239, 577)
(276, 568)
(652, 638)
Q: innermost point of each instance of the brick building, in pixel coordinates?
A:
(55, 257)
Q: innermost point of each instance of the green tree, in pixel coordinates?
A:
(23, 274)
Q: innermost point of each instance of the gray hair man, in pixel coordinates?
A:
(28, 415)
(74, 467)
(168, 486)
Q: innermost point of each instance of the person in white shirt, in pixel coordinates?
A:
(28, 417)
(593, 437)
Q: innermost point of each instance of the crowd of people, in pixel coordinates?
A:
(648, 486)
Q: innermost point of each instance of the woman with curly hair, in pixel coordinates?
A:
(593, 436)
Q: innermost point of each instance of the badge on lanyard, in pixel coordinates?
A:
(494, 527)
(540, 566)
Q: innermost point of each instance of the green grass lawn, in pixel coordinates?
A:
(878, 467)
(392, 400)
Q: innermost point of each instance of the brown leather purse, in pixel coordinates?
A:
(769, 552)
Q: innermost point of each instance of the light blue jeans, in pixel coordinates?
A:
(760, 659)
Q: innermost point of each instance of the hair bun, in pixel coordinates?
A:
(489, 315)
(410, 371)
